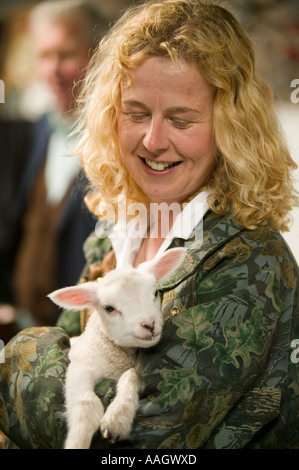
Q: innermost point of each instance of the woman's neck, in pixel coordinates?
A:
(148, 250)
(160, 225)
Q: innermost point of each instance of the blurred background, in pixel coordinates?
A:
(272, 24)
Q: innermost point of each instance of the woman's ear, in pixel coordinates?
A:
(80, 296)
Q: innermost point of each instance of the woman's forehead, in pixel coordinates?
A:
(162, 75)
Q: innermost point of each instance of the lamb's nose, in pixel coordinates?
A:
(149, 327)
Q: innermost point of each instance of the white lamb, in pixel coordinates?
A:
(126, 315)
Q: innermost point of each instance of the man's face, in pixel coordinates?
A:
(62, 55)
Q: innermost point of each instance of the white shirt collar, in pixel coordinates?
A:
(126, 241)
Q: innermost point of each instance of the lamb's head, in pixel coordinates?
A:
(126, 300)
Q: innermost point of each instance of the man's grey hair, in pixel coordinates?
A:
(94, 25)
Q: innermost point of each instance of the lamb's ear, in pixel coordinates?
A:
(80, 296)
(167, 263)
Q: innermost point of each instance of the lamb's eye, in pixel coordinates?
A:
(109, 308)
(157, 293)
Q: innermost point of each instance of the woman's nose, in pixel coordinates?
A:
(155, 138)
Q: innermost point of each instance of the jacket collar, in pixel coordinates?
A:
(216, 231)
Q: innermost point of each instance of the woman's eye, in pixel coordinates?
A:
(137, 117)
(180, 124)
(109, 308)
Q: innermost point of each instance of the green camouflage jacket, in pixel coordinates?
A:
(225, 373)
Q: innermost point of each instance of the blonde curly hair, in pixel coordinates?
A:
(252, 177)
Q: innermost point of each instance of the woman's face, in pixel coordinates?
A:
(165, 129)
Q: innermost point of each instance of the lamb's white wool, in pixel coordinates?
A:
(126, 315)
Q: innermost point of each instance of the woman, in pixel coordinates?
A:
(174, 115)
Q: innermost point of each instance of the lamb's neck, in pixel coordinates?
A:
(96, 324)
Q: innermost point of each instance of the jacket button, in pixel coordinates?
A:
(174, 311)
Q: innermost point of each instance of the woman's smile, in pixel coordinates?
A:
(159, 167)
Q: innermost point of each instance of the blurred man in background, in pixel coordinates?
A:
(46, 223)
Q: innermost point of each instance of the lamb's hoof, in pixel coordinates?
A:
(115, 426)
(107, 435)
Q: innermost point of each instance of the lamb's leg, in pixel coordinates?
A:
(118, 419)
(83, 408)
